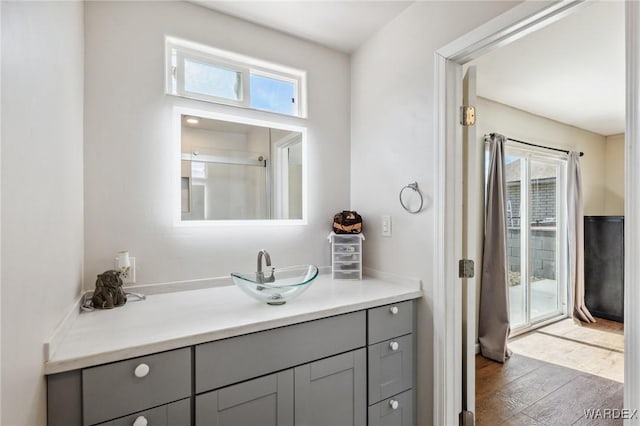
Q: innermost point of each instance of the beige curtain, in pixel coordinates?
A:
(493, 322)
(575, 230)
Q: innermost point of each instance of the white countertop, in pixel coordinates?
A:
(174, 320)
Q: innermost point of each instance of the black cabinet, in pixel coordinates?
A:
(604, 266)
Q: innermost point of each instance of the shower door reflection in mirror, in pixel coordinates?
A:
(233, 170)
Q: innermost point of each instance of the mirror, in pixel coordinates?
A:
(233, 170)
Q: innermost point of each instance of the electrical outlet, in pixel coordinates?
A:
(129, 277)
(386, 225)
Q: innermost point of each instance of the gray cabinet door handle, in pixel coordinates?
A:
(394, 346)
(394, 404)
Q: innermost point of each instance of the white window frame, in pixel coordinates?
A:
(242, 64)
(183, 54)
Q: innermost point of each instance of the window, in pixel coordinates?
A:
(213, 75)
(273, 94)
(210, 80)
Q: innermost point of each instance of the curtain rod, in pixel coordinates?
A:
(541, 146)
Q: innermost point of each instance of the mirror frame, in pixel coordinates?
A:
(178, 112)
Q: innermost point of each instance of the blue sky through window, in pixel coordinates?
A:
(272, 95)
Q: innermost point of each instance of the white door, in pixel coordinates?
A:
(472, 236)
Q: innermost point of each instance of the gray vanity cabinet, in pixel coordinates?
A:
(353, 369)
(267, 401)
(332, 391)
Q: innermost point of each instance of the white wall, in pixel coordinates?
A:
(392, 145)
(42, 212)
(129, 148)
(518, 124)
(614, 175)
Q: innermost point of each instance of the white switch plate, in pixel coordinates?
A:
(386, 225)
(130, 278)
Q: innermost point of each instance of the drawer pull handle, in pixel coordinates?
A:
(394, 346)
(141, 371)
(140, 421)
(394, 404)
(393, 310)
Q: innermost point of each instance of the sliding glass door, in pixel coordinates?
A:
(536, 237)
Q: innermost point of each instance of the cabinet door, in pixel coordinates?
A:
(332, 391)
(266, 401)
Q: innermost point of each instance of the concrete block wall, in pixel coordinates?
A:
(543, 252)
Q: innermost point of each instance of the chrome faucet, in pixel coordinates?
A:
(259, 274)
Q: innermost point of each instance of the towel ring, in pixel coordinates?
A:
(413, 186)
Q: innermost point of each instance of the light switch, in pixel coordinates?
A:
(386, 226)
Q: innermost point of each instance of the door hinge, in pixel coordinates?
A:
(466, 418)
(465, 268)
(467, 115)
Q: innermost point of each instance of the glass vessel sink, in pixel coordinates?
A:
(287, 283)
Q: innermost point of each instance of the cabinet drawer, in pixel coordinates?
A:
(346, 275)
(346, 266)
(390, 321)
(233, 360)
(394, 411)
(347, 248)
(175, 414)
(122, 388)
(347, 239)
(346, 257)
(390, 368)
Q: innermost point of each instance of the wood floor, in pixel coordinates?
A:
(525, 391)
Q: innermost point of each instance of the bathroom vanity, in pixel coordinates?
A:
(341, 354)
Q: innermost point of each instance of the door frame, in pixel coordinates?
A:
(447, 191)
